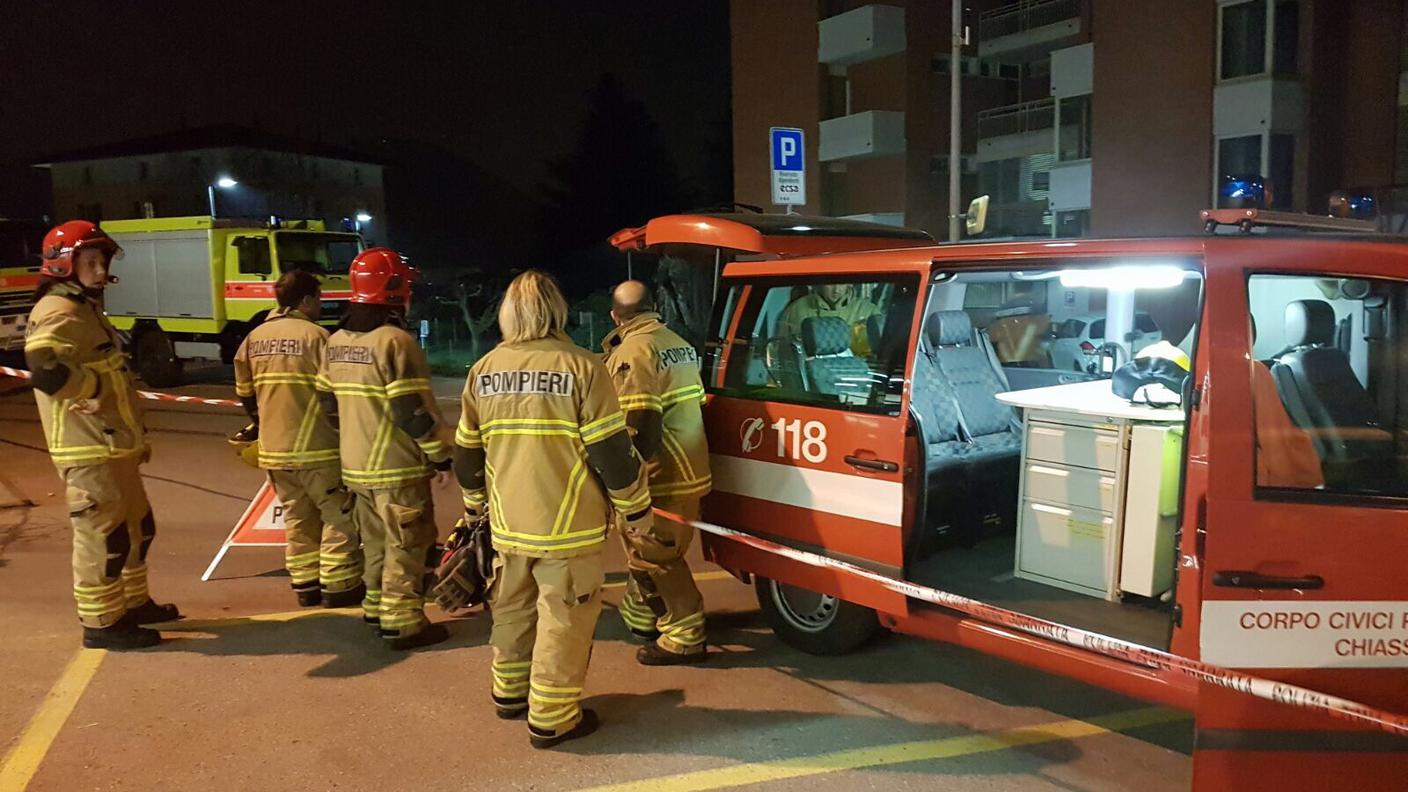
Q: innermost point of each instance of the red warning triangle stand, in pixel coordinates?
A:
(261, 525)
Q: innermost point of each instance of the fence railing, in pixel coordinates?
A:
(1025, 15)
(1016, 118)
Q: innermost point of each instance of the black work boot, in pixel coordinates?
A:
(543, 739)
(653, 655)
(430, 635)
(120, 635)
(150, 612)
(510, 708)
(346, 598)
(309, 596)
(644, 636)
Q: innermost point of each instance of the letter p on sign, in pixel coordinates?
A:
(789, 185)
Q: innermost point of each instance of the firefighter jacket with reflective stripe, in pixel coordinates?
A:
(68, 331)
(535, 408)
(278, 365)
(654, 369)
(367, 372)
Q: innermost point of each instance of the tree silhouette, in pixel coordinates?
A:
(619, 174)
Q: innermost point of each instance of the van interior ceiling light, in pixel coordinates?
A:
(1124, 277)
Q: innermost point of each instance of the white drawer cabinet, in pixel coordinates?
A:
(1063, 484)
(1096, 447)
(1094, 513)
(1066, 547)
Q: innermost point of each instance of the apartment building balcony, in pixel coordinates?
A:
(1028, 28)
(1017, 130)
(860, 35)
(867, 135)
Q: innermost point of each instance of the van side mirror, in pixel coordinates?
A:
(976, 220)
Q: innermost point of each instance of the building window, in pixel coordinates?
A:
(1073, 223)
(837, 88)
(1001, 180)
(1240, 159)
(1074, 128)
(835, 198)
(1243, 39)
(1287, 37)
(1239, 156)
(1282, 169)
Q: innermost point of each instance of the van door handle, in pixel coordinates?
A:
(882, 465)
(1242, 578)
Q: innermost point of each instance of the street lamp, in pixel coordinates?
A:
(224, 183)
(363, 217)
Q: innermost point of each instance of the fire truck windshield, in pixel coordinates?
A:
(321, 253)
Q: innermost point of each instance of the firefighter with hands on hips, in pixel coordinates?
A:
(92, 422)
(276, 370)
(375, 387)
(542, 448)
(656, 374)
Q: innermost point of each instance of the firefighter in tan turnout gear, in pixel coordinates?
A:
(656, 374)
(375, 385)
(276, 370)
(93, 425)
(542, 446)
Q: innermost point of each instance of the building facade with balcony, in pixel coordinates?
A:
(180, 174)
(1077, 118)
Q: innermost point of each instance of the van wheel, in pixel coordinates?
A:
(154, 356)
(818, 624)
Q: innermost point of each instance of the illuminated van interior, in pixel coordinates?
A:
(1041, 517)
(1043, 491)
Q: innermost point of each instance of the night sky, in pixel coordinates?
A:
(503, 83)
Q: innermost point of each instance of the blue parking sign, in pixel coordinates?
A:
(789, 166)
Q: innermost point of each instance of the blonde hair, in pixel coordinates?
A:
(533, 308)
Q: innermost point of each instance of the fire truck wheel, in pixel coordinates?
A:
(817, 624)
(154, 355)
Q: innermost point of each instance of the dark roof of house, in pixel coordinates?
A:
(220, 136)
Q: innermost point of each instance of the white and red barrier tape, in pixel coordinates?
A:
(1265, 689)
(152, 395)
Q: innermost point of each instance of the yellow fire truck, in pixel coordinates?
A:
(19, 274)
(192, 287)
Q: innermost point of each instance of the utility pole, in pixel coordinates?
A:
(955, 112)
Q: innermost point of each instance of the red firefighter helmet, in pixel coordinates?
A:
(62, 243)
(380, 276)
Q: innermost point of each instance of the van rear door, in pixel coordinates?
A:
(1306, 531)
(807, 419)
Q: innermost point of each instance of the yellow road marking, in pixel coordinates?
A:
(21, 763)
(23, 760)
(900, 753)
(716, 575)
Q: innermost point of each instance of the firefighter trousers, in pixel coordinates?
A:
(113, 530)
(661, 595)
(544, 611)
(398, 529)
(324, 548)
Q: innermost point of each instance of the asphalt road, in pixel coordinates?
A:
(250, 693)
